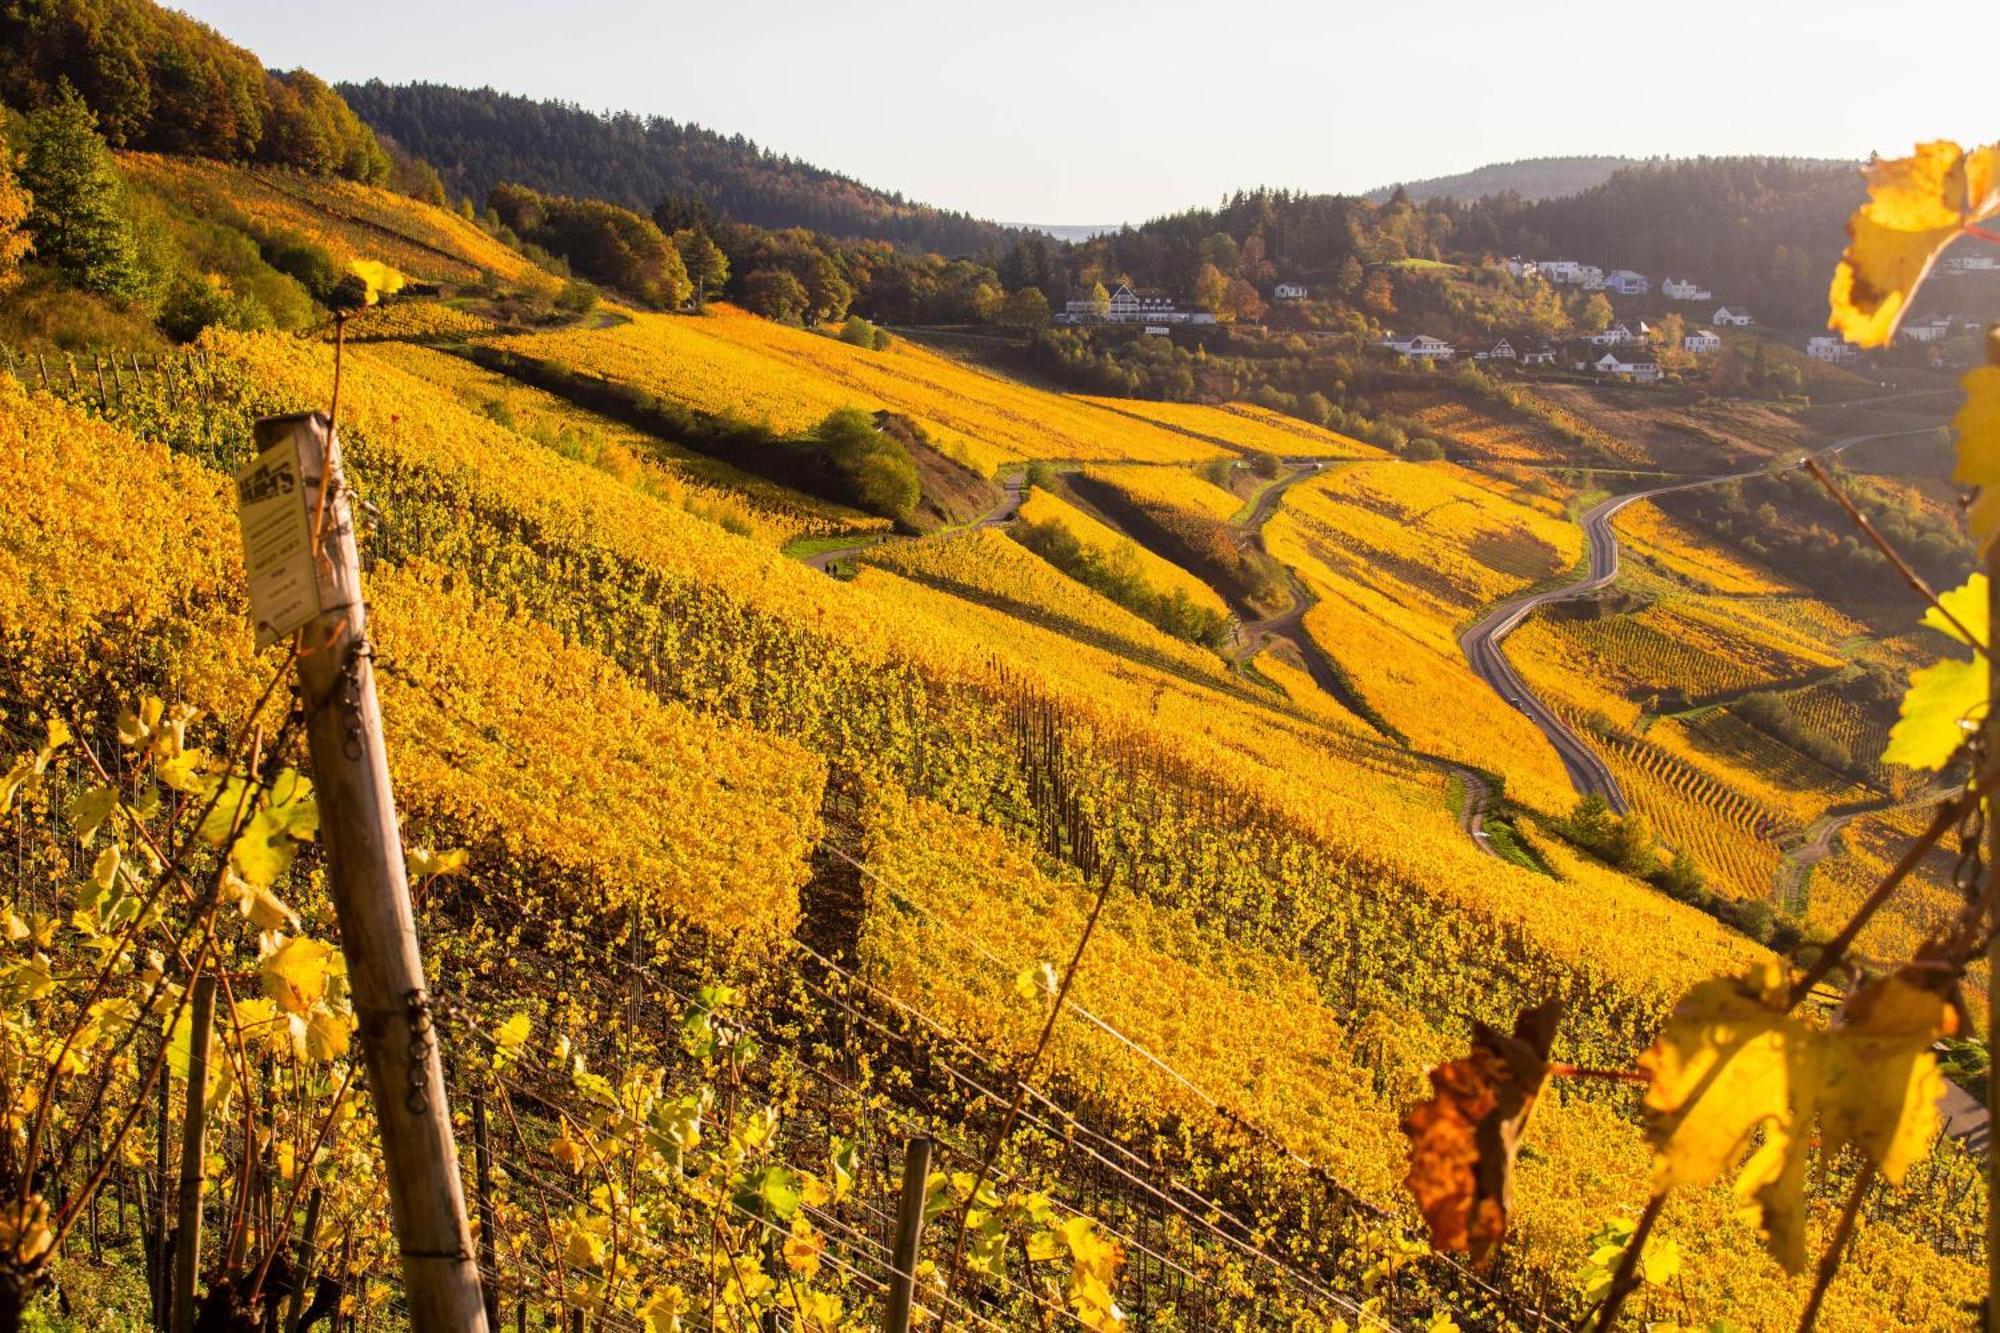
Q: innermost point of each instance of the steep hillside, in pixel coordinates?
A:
(478, 138)
(1530, 178)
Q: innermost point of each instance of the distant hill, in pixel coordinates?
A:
(478, 137)
(1531, 178)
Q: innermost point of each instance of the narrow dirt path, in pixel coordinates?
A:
(1016, 486)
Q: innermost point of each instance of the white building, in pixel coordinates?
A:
(1289, 291)
(1733, 319)
(1684, 289)
(1701, 342)
(1627, 283)
(1930, 331)
(1542, 354)
(1419, 346)
(1621, 335)
(1827, 347)
(1500, 351)
(1590, 277)
(1556, 270)
(1129, 307)
(1634, 366)
(1522, 268)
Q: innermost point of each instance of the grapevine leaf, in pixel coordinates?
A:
(1941, 700)
(1773, 1186)
(327, 1034)
(89, 809)
(1882, 1083)
(1968, 605)
(1464, 1139)
(296, 973)
(1725, 1063)
(264, 850)
(423, 862)
(770, 1192)
(1916, 206)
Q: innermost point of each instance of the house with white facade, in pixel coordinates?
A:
(1684, 289)
(1541, 354)
(1419, 346)
(1638, 367)
(1929, 331)
(1521, 268)
(1621, 335)
(1590, 277)
(1626, 282)
(1732, 319)
(1828, 347)
(1129, 307)
(1289, 291)
(1556, 270)
(1500, 351)
(1701, 342)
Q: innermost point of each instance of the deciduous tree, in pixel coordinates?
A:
(77, 219)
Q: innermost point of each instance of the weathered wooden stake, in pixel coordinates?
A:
(482, 1161)
(308, 1242)
(187, 1238)
(371, 897)
(1992, 748)
(909, 1235)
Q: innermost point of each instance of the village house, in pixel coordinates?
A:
(1684, 289)
(1621, 334)
(1930, 331)
(1638, 367)
(1419, 346)
(1590, 277)
(1521, 268)
(1734, 319)
(1555, 270)
(1627, 283)
(1701, 342)
(1129, 307)
(1500, 351)
(1289, 291)
(1541, 354)
(1827, 347)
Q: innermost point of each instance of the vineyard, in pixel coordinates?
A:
(736, 882)
(911, 686)
(1243, 426)
(731, 364)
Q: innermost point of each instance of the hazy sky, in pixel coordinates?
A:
(1093, 111)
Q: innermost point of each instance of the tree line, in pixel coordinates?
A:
(158, 80)
(479, 138)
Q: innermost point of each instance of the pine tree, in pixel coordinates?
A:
(14, 204)
(77, 220)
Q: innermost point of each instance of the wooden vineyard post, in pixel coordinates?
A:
(1987, 752)
(366, 875)
(187, 1236)
(909, 1235)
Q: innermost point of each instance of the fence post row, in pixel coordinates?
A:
(909, 1234)
(371, 896)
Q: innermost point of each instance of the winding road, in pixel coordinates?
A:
(1481, 644)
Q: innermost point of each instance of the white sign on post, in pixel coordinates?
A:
(277, 541)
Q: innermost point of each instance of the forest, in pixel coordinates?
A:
(478, 138)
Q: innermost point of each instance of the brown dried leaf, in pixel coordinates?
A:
(1464, 1139)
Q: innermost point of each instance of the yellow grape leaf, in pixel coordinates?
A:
(1660, 1262)
(381, 280)
(513, 1033)
(424, 862)
(327, 1035)
(1942, 699)
(1967, 604)
(663, 1312)
(1727, 1061)
(1773, 1189)
(1916, 206)
(1882, 1084)
(296, 974)
(1036, 979)
(802, 1249)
